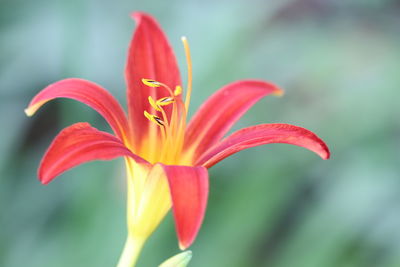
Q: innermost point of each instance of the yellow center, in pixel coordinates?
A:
(173, 128)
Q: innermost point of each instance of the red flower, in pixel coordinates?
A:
(154, 137)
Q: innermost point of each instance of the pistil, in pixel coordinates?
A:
(189, 72)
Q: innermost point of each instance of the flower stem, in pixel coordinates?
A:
(131, 252)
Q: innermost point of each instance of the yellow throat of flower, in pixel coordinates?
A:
(172, 128)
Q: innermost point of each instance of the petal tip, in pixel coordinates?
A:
(180, 260)
(43, 177)
(324, 153)
(29, 111)
(184, 245)
(138, 15)
(33, 107)
(278, 92)
(44, 180)
(327, 154)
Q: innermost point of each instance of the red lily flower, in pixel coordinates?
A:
(154, 138)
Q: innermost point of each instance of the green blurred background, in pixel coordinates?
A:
(276, 205)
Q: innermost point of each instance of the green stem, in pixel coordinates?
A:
(131, 252)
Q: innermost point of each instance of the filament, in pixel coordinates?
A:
(189, 72)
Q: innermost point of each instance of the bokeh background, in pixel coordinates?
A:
(276, 205)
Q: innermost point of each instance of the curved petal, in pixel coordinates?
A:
(189, 193)
(261, 135)
(218, 114)
(150, 56)
(80, 143)
(88, 93)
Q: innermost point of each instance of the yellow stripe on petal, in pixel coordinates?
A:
(154, 203)
(31, 110)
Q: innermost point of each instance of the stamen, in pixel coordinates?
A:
(189, 70)
(178, 90)
(165, 101)
(157, 120)
(154, 104)
(151, 83)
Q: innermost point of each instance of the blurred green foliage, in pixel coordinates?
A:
(277, 205)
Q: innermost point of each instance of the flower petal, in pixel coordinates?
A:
(80, 143)
(150, 57)
(180, 260)
(189, 193)
(88, 93)
(217, 115)
(153, 202)
(261, 135)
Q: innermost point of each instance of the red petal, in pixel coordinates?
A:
(150, 57)
(261, 135)
(217, 115)
(189, 193)
(80, 143)
(86, 92)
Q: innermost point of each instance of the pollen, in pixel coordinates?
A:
(178, 90)
(153, 118)
(154, 104)
(165, 101)
(151, 83)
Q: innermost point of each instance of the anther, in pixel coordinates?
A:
(151, 83)
(178, 90)
(165, 101)
(154, 104)
(154, 118)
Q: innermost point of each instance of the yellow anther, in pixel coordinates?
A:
(148, 115)
(165, 101)
(178, 90)
(151, 83)
(154, 104)
(157, 120)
